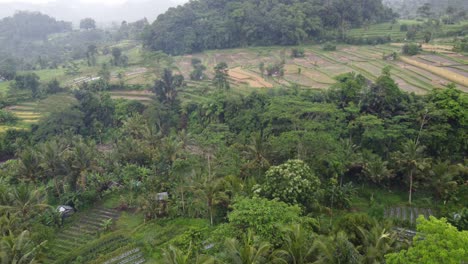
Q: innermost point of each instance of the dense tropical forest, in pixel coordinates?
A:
(194, 139)
(201, 25)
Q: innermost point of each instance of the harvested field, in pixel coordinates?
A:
(451, 76)
(318, 67)
(242, 76)
(429, 47)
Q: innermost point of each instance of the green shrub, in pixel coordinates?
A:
(276, 69)
(411, 49)
(297, 53)
(461, 46)
(7, 117)
(329, 47)
(351, 223)
(263, 217)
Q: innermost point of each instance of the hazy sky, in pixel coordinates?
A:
(108, 2)
(101, 10)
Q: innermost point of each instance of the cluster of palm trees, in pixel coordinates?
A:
(19, 204)
(64, 162)
(299, 246)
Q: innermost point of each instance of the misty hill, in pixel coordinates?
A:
(29, 40)
(214, 24)
(31, 26)
(74, 10)
(408, 8)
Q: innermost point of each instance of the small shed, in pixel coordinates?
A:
(65, 210)
(164, 196)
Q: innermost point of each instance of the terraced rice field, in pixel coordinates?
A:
(379, 30)
(31, 112)
(318, 68)
(144, 96)
(244, 76)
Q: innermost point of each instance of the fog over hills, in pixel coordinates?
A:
(408, 8)
(103, 12)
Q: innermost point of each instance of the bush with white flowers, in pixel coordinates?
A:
(292, 182)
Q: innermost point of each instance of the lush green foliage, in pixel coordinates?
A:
(263, 216)
(208, 171)
(437, 242)
(292, 182)
(210, 24)
(411, 49)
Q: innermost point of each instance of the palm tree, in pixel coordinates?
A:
(171, 148)
(24, 199)
(347, 157)
(335, 249)
(377, 242)
(257, 152)
(249, 251)
(8, 222)
(297, 243)
(83, 158)
(442, 179)
(29, 165)
(166, 87)
(376, 170)
(411, 160)
(19, 249)
(53, 162)
(173, 255)
(211, 192)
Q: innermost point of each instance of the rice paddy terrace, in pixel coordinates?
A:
(317, 69)
(436, 67)
(31, 112)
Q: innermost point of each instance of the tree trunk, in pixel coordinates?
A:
(183, 203)
(211, 215)
(410, 185)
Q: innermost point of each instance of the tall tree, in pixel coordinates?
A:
(88, 23)
(411, 161)
(166, 87)
(211, 192)
(220, 79)
(91, 54)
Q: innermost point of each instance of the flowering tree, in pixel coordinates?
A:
(292, 182)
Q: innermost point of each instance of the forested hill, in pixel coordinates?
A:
(30, 26)
(214, 24)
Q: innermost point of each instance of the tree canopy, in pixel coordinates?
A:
(215, 24)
